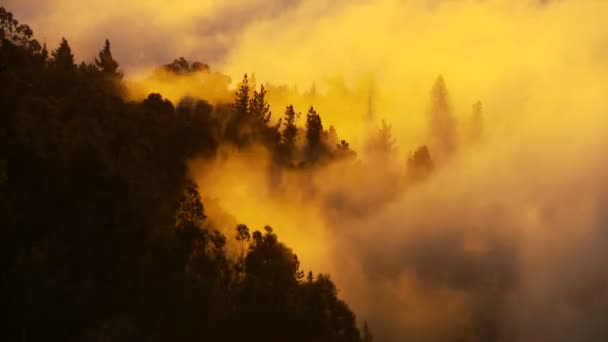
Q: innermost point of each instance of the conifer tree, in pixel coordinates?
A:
(241, 102)
(314, 133)
(62, 57)
(106, 62)
(442, 130)
(259, 109)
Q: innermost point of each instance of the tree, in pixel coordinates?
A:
(238, 129)
(259, 109)
(331, 138)
(106, 63)
(62, 58)
(314, 132)
(243, 237)
(442, 126)
(343, 151)
(289, 133)
(18, 34)
(381, 145)
(241, 102)
(420, 164)
(181, 66)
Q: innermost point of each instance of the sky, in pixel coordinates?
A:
(507, 236)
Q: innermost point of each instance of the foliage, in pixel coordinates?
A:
(102, 233)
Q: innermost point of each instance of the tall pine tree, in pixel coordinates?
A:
(106, 62)
(289, 133)
(259, 109)
(62, 58)
(314, 133)
(442, 128)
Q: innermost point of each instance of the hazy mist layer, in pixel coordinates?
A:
(508, 236)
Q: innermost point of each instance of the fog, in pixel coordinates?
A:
(504, 241)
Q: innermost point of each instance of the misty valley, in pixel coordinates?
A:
(295, 177)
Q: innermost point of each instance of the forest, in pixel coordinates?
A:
(103, 235)
(370, 170)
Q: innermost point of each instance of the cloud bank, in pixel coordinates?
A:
(506, 241)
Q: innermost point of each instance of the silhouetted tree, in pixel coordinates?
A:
(343, 151)
(289, 133)
(62, 58)
(106, 63)
(259, 109)
(314, 132)
(18, 34)
(182, 66)
(239, 129)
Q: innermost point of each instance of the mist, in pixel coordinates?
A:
(504, 241)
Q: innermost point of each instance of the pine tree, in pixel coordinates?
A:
(331, 138)
(290, 130)
(382, 144)
(241, 102)
(106, 62)
(420, 164)
(442, 130)
(259, 109)
(289, 133)
(238, 128)
(314, 132)
(63, 58)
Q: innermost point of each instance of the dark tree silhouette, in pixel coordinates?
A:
(62, 58)
(259, 109)
(106, 63)
(314, 133)
(289, 134)
(182, 66)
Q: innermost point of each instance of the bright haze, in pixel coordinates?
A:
(509, 233)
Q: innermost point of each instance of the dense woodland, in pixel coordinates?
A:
(101, 228)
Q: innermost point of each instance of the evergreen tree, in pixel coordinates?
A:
(381, 145)
(106, 62)
(420, 164)
(238, 127)
(62, 57)
(241, 102)
(259, 109)
(331, 138)
(442, 130)
(314, 133)
(290, 130)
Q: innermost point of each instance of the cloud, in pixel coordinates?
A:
(146, 33)
(504, 242)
